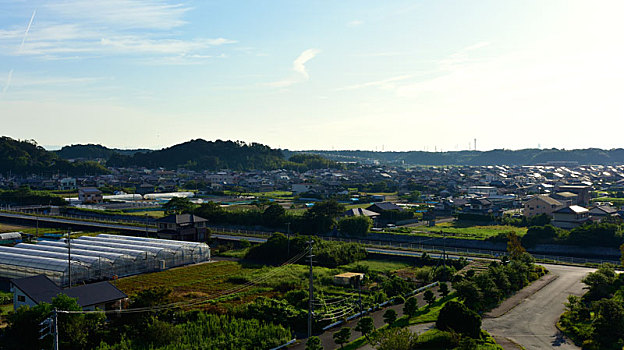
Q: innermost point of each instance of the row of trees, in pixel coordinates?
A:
(482, 291)
(603, 234)
(25, 196)
(319, 219)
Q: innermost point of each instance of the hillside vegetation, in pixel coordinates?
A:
(26, 157)
(212, 155)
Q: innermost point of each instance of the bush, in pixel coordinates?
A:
(455, 316)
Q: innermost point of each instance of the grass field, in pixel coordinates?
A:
(153, 213)
(477, 232)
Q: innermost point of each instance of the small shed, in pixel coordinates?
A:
(348, 278)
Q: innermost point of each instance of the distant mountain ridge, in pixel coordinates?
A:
(494, 157)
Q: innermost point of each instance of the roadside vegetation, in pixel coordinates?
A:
(596, 320)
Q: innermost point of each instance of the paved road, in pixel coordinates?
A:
(532, 323)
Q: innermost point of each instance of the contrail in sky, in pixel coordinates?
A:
(8, 81)
(27, 29)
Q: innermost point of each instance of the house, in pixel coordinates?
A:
(602, 212)
(183, 227)
(541, 204)
(581, 190)
(348, 278)
(67, 184)
(484, 191)
(360, 212)
(90, 195)
(570, 217)
(38, 289)
(567, 198)
(384, 206)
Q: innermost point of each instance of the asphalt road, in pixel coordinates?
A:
(532, 323)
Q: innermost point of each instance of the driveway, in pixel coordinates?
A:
(532, 322)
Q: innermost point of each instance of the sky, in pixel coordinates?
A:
(431, 75)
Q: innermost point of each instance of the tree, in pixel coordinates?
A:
(444, 290)
(322, 216)
(514, 247)
(178, 205)
(355, 225)
(342, 336)
(455, 316)
(411, 307)
(390, 316)
(365, 326)
(274, 215)
(429, 297)
(469, 293)
(394, 339)
(608, 327)
(314, 343)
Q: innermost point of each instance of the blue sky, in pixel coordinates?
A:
(392, 75)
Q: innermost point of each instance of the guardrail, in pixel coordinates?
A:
(285, 344)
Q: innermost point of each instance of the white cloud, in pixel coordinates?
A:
(122, 13)
(355, 23)
(299, 69)
(72, 29)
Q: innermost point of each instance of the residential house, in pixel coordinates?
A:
(541, 204)
(570, 217)
(90, 195)
(183, 227)
(32, 291)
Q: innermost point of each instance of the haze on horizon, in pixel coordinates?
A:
(402, 75)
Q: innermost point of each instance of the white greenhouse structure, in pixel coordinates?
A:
(18, 266)
(98, 258)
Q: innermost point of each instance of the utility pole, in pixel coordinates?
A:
(146, 234)
(288, 236)
(311, 296)
(444, 249)
(69, 255)
(56, 332)
(50, 327)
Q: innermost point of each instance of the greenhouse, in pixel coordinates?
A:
(118, 264)
(165, 257)
(102, 267)
(17, 266)
(199, 251)
(143, 261)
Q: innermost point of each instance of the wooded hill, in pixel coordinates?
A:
(212, 155)
(94, 152)
(26, 157)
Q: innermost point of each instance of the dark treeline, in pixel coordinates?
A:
(24, 196)
(494, 157)
(93, 152)
(26, 158)
(213, 155)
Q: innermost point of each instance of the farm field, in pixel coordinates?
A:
(230, 282)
